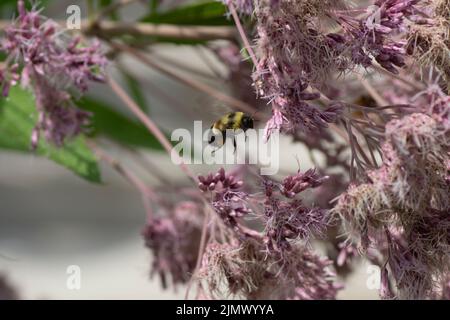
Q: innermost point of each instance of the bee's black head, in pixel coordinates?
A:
(247, 122)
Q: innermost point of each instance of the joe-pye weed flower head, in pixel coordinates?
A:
(174, 240)
(292, 55)
(429, 38)
(406, 202)
(265, 252)
(52, 63)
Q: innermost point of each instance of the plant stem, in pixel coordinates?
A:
(231, 101)
(114, 6)
(151, 126)
(199, 33)
(411, 84)
(105, 29)
(201, 250)
(145, 191)
(90, 8)
(242, 33)
(208, 63)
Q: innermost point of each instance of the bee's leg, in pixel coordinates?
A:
(212, 139)
(234, 145)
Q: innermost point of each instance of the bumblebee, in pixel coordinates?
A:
(365, 101)
(230, 121)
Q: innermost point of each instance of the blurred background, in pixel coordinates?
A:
(51, 219)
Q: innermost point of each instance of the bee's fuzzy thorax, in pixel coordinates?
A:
(232, 121)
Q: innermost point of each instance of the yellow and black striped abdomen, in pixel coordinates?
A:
(231, 121)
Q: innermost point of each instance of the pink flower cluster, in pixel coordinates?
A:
(227, 198)
(266, 254)
(283, 78)
(372, 37)
(174, 241)
(402, 211)
(52, 63)
(287, 218)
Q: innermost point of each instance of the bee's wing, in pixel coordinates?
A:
(210, 110)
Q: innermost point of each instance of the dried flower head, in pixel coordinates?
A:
(406, 203)
(413, 277)
(246, 272)
(174, 241)
(429, 39)
(446, 289)
(232, 269)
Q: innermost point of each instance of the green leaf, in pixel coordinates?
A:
(207, 13)
(17, 120)
(200, 13)
(117, 126)
(8, 8)
(135, 89)
(10, 4)
(105, 3)
(114, 14)
(154, 5)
